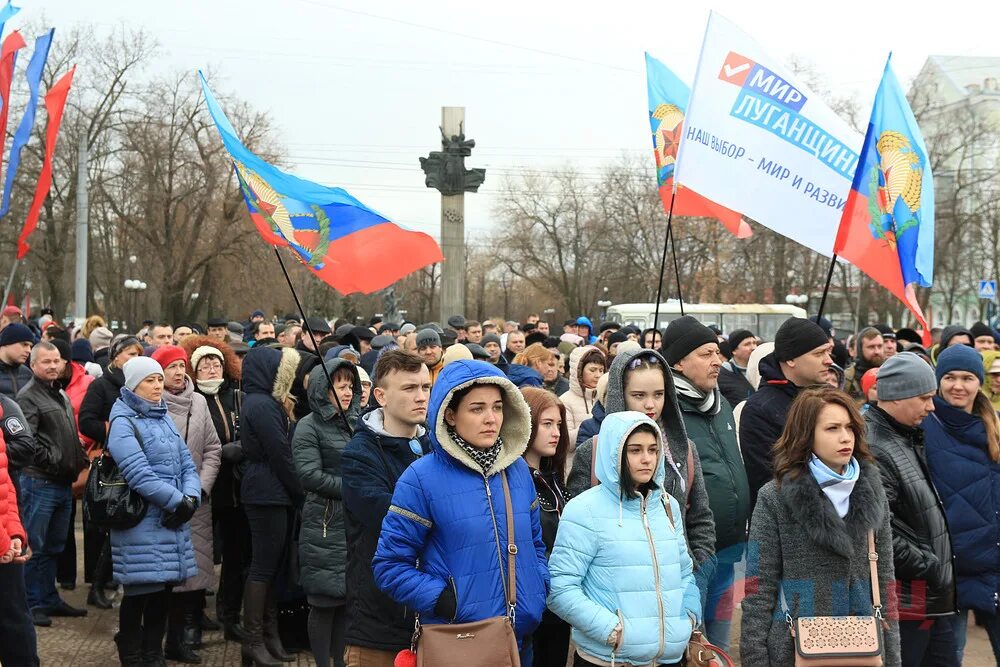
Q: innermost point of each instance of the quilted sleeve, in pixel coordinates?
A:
(134, 466)
(577, 544)
(401, 544)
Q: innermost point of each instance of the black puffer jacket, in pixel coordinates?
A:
(97, 403)
(13, 378)
(921, 542)
(370, 467)
(265, 431)
(761, 423)
(50, 417)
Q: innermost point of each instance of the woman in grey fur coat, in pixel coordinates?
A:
(809, 532)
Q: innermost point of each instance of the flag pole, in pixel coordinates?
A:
(663, 261)
(10, 282)
(826, 287)
(308, 329)
(673, 251)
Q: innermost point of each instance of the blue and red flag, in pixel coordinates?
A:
(668, 100)
(23, 132)
(887, 229)
(346, 244)
(55, 103)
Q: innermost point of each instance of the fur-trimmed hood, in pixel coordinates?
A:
(270, 371)
(576, 373)
(516, 428)
(814, 512)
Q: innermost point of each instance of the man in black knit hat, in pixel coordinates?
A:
(801, 358)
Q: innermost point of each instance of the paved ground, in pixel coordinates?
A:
(85, 642)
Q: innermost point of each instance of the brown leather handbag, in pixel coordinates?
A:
(486, 643)
(841, 641)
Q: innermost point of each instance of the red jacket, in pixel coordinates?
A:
(76, 390)
(10, 519)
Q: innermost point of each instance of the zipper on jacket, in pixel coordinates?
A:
(327, 514)
(496, 534)
(656, 576)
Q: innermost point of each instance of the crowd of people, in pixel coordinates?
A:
(600, 492)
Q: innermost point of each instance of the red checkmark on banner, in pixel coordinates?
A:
(736, 69)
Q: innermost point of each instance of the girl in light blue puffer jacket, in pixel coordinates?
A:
(621, 572)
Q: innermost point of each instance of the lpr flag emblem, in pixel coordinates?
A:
(736, 68)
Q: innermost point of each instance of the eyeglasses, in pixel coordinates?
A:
(210, 365)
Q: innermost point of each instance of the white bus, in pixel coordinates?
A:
(761, 318)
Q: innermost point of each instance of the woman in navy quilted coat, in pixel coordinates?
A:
(448, 510)
(962, 441)
(156, 553)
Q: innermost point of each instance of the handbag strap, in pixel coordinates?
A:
(131, 423)
(873, 564)
(876, 595)
(511, 547)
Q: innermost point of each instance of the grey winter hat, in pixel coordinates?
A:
(905, 375)
(427, 338)
(407, 328)
(100, 338)
(138, 369)
(381, 340)
(489, 338)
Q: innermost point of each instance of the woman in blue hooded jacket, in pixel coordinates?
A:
(962, 441)
(621, 573)
(448, 510)
(156, 553)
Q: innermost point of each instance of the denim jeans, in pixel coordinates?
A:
(719, 610)
(45, 513)
(989, 621)
(929, 643)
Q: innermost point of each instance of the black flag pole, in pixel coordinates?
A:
(826, 287)
(668, 240)
(312, 336)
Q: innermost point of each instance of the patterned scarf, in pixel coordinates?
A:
(484, 458)
(704, 402)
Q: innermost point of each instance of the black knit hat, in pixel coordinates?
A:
(617, 337)
(979, 329)
(797, 336)
(683, 336)
(738, 336)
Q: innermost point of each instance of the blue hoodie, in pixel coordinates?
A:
(624, 561)
(449, 516)
(583, 320)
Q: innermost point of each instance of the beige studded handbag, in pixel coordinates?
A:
(841, 641)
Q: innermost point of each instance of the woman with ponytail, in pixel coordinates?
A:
(962, 438)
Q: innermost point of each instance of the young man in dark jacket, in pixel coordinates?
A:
(692, 351)
(921, 542)
(386, 441)
(801, 358)
(15, 346)
(46, 496)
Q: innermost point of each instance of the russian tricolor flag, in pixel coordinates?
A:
(347, 245)
(887, 229)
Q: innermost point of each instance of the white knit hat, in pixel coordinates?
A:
(138, 369)
(205, 351)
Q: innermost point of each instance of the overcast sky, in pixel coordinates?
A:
(356, 88)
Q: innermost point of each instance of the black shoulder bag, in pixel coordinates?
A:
(108, 501)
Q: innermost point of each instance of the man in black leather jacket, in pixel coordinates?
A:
(920, 538)
(46, 497)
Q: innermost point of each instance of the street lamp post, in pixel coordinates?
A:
(133, 287)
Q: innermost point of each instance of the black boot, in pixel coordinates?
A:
(254, 601)
(272, 639)
(98, 598)
(178, 621)
(129, 649)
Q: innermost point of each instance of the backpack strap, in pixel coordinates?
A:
(511, 548)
